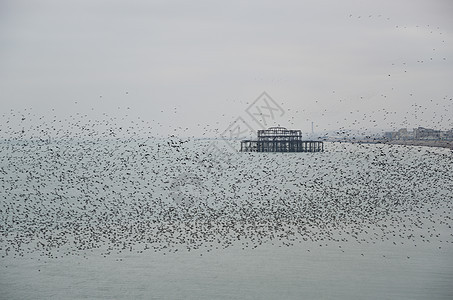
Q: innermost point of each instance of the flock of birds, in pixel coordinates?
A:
(92, 190)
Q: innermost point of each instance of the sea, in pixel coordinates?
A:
(172, 218)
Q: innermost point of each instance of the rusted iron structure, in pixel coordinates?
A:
(280, 139)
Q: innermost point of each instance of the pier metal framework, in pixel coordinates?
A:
(280, 139)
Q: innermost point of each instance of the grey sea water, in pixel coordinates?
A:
(174, 219)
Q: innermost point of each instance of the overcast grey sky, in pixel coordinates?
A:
(341, 64)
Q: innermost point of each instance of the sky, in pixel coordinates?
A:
(195, 68)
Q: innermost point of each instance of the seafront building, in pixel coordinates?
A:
(419, 133)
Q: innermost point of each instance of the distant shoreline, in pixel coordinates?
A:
(426, 143)
(438, 144)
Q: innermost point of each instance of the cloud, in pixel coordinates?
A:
(201, 51)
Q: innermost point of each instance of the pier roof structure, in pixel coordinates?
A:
(280, 139)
